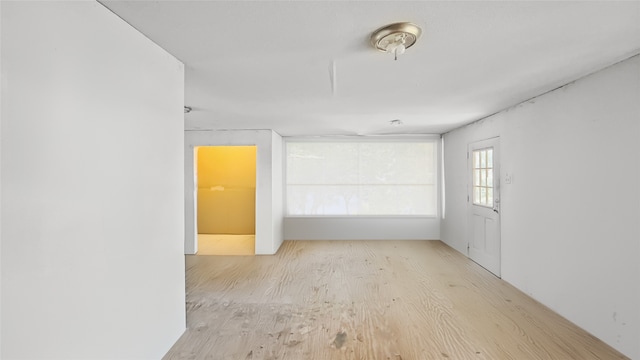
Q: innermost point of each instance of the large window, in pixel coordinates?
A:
(361, 178)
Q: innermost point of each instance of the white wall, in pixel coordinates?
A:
(92, 186)
(2, 91)
(268, 207)
(277, 161)
(570, 217)
(361, 228)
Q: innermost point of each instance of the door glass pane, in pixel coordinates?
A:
(483, 177)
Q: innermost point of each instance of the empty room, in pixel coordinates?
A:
(319, 180)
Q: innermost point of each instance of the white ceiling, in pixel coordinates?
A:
(266, 64)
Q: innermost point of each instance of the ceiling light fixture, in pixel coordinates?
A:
(395, 38)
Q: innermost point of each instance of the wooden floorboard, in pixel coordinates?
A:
(398, 300)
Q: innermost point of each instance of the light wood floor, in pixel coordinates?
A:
(398, 300)
(214, 244)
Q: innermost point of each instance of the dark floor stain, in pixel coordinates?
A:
(250, 355)
(239, 314)
(282, 317)
(340, 339)
(293, 343)
(444, 355)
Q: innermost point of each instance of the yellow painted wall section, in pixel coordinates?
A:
(226, 189)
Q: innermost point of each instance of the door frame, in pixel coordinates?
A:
(268, 205)
(477, 145)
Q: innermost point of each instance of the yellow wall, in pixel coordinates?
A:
(226, 189)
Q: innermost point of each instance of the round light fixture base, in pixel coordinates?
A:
(388, 36)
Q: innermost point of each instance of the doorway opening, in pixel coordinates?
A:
(226, 199)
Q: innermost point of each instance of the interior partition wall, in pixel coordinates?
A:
(226, 178)
(92, 186)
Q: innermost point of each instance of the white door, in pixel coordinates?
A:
(484, 204)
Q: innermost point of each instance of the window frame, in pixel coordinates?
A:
(486, 168)
(435, 139)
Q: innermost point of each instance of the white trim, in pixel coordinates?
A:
(443, 200)
(357, 138)
(363, 216)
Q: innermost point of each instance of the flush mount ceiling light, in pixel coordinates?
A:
(395, 38)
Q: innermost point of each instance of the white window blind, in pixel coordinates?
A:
(361, 178)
